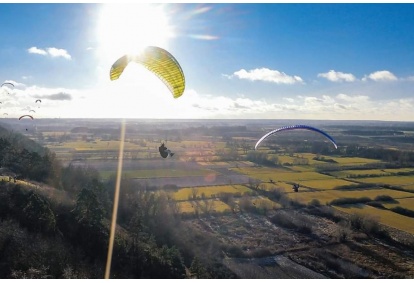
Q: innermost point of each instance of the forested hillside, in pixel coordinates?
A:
(55, 223)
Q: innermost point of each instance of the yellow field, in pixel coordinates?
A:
(407, 203)
(340, 160)
(280, 185)
(408, 187)
(325, 184)
(390, 180)
(302, 168)
(398, 170)
(386, 217)
(190, 206)
(209, 191)
(261, 202)
(327, 196)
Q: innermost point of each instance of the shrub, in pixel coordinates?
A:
(376, 204)
(315, 202)
(342, 201)
(385, 198)
(367, 224)
(403, 211)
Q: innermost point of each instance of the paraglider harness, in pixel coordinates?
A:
(164, 151)
(296, 187)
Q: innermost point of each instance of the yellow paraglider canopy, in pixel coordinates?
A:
(158, 61)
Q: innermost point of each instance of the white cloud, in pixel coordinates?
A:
(27, 77)
(337, 76)
(51, 51)
(119, 99)
(355, 98)
(288, 99)
(313, 100)
(35, 50)
(55, 52)
(381, 76)
(204, 36)
(267, 75)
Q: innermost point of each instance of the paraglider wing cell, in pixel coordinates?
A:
(296, 127)
(158, 61)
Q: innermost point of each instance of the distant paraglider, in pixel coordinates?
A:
(7, 86)
(158, 61)
(296, 127)
(29, 116)
(38, 100)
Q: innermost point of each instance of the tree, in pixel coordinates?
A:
(197, 270)
(88, 208)
(38, 214)
(254, 184)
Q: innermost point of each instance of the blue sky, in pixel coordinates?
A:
(259, 61)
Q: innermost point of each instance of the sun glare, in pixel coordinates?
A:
(128, 27)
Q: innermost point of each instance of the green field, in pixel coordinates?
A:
(353, 160)
(97, 145)
(295, 159)
(158, 173)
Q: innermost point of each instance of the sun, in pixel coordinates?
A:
(128, 27)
